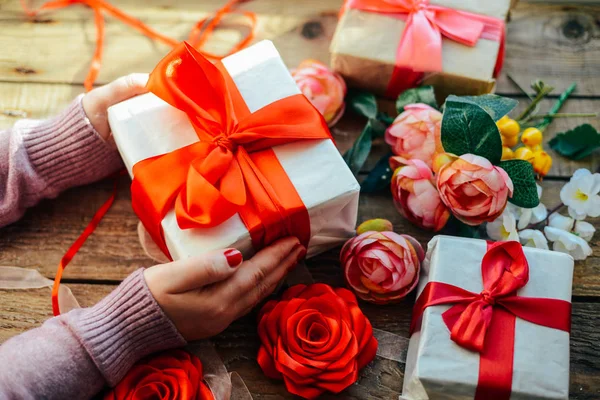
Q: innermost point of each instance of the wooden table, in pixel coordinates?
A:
(43, 63)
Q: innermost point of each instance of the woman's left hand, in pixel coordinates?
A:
(96, 102)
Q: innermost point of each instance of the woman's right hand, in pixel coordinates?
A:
(203, 295)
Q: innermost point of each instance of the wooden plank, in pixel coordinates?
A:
(382, 379)
(60, 51)
(556, 43)
(21, 310)
(114, 251)
(40, 100)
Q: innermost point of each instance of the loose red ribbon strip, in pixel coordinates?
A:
(485, 322)
(232, 169)
(199, 34)
(420, 48)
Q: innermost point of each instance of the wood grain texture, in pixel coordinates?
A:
(554, 42)
(113, 251)
(238, 345)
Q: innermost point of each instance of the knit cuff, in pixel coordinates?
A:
(123, 327)
(67, 151)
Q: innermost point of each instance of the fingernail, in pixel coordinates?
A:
(234, 257)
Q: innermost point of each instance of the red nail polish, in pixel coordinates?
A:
(234, 257)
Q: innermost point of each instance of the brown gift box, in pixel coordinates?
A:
(363, 51)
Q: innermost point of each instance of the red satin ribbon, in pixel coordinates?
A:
(420, 48)
(232, 169)
(485, 322)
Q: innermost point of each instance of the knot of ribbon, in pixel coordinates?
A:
(485, 322)
(232, 168)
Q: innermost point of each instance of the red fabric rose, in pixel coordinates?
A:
(173, 375)
(315, 338)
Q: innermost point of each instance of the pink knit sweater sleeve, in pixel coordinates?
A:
(72, 356)
(41, 158)
(75, 355)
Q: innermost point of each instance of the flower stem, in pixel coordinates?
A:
(565, 115)
(514, 82)
(557, 106)
(531, 107)
(545, 220)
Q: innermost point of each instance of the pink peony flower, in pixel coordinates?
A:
(474, 189)
(324, 88)
(416, 196)
(416, 133)
(382, 267)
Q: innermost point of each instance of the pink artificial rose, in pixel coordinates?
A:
(416, 196)
(324, 88)
(382, 267)
(475, 190)
(416, 133)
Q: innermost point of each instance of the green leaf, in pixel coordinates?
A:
(494, 105)
(362, 103)
(455, 227)
(380, 176)
(357, 155)
(523, 179)
(385, 118)
(377, 128)
(467, 128)
(423, 94)
(577, 143)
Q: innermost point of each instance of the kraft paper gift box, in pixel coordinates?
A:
(438, 368)
(365, 43)
(146, 126)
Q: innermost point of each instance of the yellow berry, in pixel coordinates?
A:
(537, 147)
(523, 153)
(531, 137)
(508, 127)
(542, 162)
(510, 141)
(507, 153)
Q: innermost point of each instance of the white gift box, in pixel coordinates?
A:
(438, 368)
(146, 126)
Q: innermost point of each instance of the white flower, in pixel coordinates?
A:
(559, 221)
(527, 216)
(566, 242)
(584, 230)
(581, 194)
(503, 228)
(533, 238)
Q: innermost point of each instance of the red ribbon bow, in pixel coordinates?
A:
(485, 322)
(232, 169)
(420, 48)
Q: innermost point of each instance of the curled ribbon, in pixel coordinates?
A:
(420, 48)
(232, 168)
(198, 36)
(485, 322)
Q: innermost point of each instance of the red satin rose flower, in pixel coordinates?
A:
(315, 338)
(175, 375)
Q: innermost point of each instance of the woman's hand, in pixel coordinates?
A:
(96, 102)
(203, 295)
